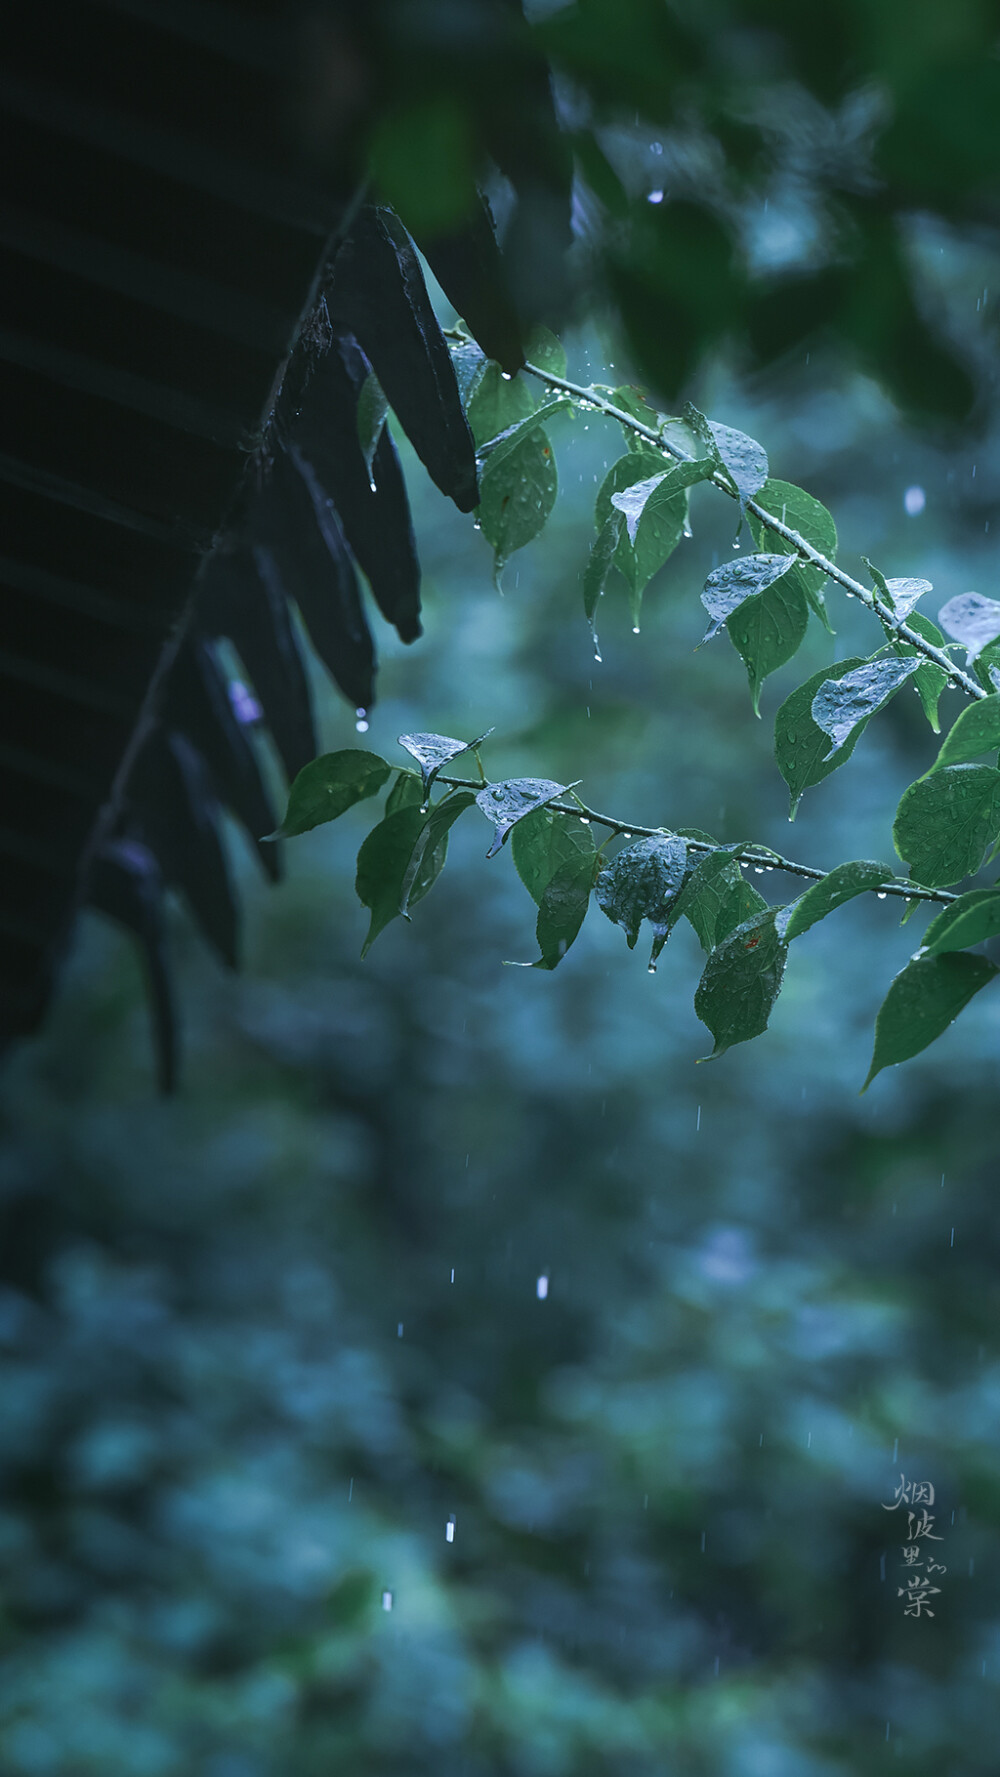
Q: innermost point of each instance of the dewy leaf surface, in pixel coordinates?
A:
(801, 749)
(840, 705)
(975, 731)
(430, 848)
(496, 450)
(508, 802)
(766, 630)
(599, 565)
(921, 1003)
(328, 786)
(842, 884)
(498, 402)
(741, 982)
(660, 526)
(716, 898)
(811, 520)
(642, 881)
(972, 919)
(735, 581)
(432, 751)
(517, 496)
(946, 823)
(563, 909)
(900, 595)
(744, 460)
(382, 865)
(972, 620)
(372, 410)
(543, 842)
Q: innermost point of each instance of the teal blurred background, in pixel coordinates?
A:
(261, 1344)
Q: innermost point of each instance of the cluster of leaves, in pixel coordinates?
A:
(947, 824)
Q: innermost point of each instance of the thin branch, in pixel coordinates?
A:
(854, 588)
(758, 856)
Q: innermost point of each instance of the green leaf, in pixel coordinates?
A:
(642, 881)
(800, 748)
(633, 401)
(899, 595)
(546, 351)
(946, 823)
(372, 409)
(430, 848)
(811, 520)
(842, 884)
(599, 565)
(517, 496)
(716, 898)
(382, 865)
(329, 785)
(496, 450)
(766, 630)
(987, 666)
(431, 751)
(469, 365)
(743, 459)
(543, 842)
(975, 731)
(728, 587)
(563, 909)
(923, 1000)
(972, 620)
(498, 401)
(971, 919)
(406, 792)
(929, 679)
(741, 982)
(849, 701)
(508, 802)
(664, 512)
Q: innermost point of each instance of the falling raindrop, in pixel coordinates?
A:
(399, 1329)
(386, 1600)
(698, 1123)
(453, 1274)
(598, 658)
(914, 501)
(542, 1287)
(758, 869)
(449, 1530)
(655, 197)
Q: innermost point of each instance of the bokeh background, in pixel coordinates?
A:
(260, 1344)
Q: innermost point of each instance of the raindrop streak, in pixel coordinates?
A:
(449, 1530)
(953, 1237)
(350, 1491)
(386, 1600)
(703, 1542)
(399, 1330)
(374, 489)
(698, 1123)
(914, 501)
(895, 1450)
(542, 1287)
(453, 1274)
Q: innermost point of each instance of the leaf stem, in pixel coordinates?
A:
(758, 856)
(854, 588)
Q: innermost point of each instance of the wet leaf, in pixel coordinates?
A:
(946, 823)
(729, 586)
(899, 595)
(496, 450)
(382, 865)
(372, 410)
(642, 881)
(432, 751)
(563, 908)
(812, 521)
(766, 630)
(972, 919)
(546, 351)
(543, 841)
(716, 898)
(972, 620)
(430, 848)
(975, 731)
(599, 565)
(518, 495)
(498, 402)
(841, 885)
(469, 365)
(843, 704)
(661, 521)
(406, 792)
(508, 802)
(741, 981)
(801, 749)
(744, 460)
(328, 786)
(923, 1000)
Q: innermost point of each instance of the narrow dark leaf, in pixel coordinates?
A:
(508, 802)
(376, 289)
(432, 751)
(848, 702)
(841, 885)
(234, 599)
(373, 409)
(728, 587)
(741, 982)
(329, 785)
(196, 702)
(599, 565)
(643, 881)
(923, 1000)
(946, 823)
(468, 265)
(124, 881)
(173, 809)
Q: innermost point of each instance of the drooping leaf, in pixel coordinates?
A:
(735, 581)
(330, 785)
(843, 704)
(972, 620)
(382, 865)
(642, 881)
(518, 495)
(741, 981)
(716, 898)
(124, 881)
(497, 402)
(496, 450)
(841, 885)
(468, 265)
(800, 512)
(946, 823)
(178, 817)
(406, 792)
(599, 565)
(196, 701)
(633, 401)
(923, 1000)
(432, 751)
(929, 679)
(975, 731)
(660, 525)
(744, 460)
(801, 749)
(563, 908)
(430, 849)
(371, 417)
(766, 630)
(971, 919)
(899, 595)
(236, 600)
(632, 501)
(376, 290)
(543, 842)
(508, 802)
(469, 365)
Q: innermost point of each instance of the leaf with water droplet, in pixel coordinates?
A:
(839, 886)
(741, 981)
(545, 840)
(899, 595)
(632, 400)
(801, 513)
(498, 402)
(766, 630)
(662, 511)
(975, 731)
(947, 822)
(382, 865)
(801, 749)
(972, 620)
(929, 679)
(743, 459)
(469, 365)
(642, 881)
(406, 792)
(508, 802)
(518, 495)
(546, 351)
(972, 919)
(599, 565)
(563, 908)
(326, 787)
(716, 898)
(923, 1000)
(496, 450)
(729, 586)
(430, 848)
(840, 705)
(372, 410)
(432, 751)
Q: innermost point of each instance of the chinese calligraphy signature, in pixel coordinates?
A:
(918, 1558)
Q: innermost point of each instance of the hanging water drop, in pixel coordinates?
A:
(585, 820)
(506, 375)
(626, 835)
(599, 658)
(542, 1287)
(372, 487)
(651, 970)
(881, 895)
(635, 629)
(758, 869)
(423, 808)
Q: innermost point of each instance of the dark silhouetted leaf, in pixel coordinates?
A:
(508, 802)
(946, 823)
(741, 982)
(923, 1000)
(124, 881)
(177, 815)
(467, 264)
(373, 409)
(197, 703)
(329, 785)
(599, 565)
(841, 705)
(238, 601)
